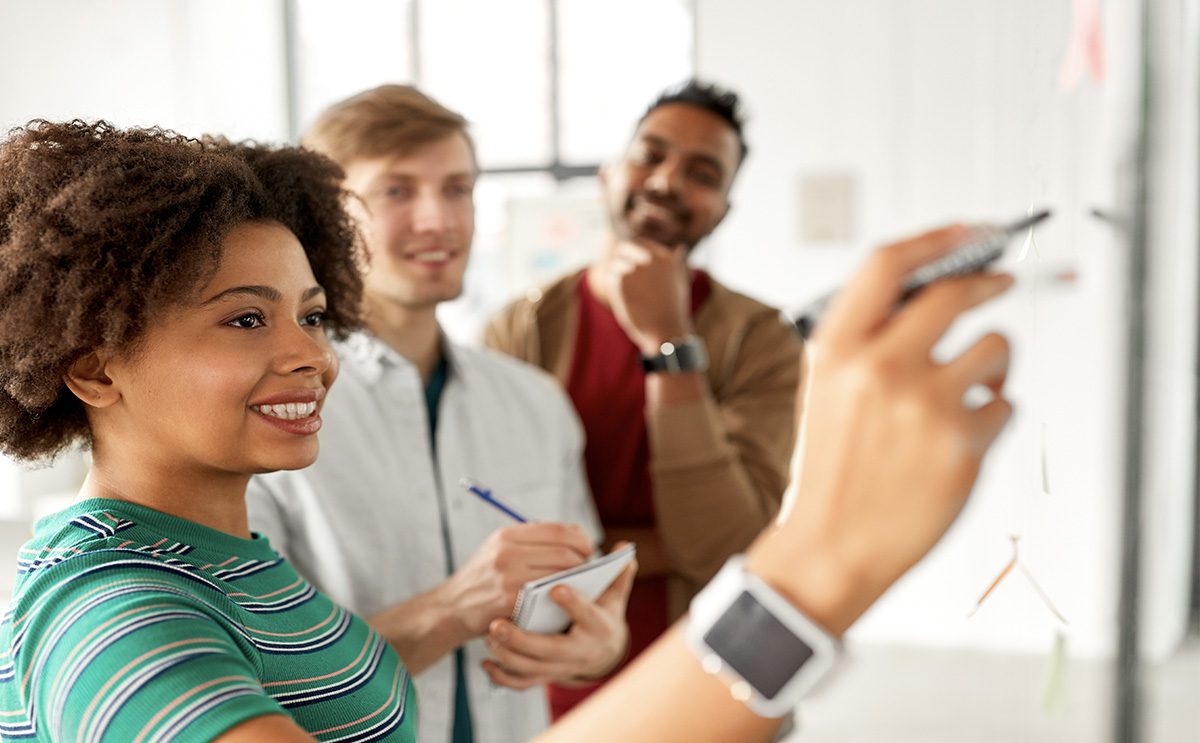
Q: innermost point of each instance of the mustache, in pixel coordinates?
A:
(669, 203)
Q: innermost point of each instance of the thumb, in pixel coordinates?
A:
(680, 253)
(617, 594)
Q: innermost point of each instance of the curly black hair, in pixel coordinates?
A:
(101, 229)
(710, 97)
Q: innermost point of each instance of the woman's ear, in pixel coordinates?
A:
(88, 381)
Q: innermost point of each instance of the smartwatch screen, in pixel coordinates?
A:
(745, 634)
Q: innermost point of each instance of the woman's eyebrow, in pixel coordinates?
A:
(269, 293)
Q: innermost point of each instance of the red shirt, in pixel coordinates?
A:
(608, 388)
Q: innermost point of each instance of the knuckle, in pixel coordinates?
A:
(869, 378)
(998, 344)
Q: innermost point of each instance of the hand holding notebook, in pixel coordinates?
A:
(536, 611)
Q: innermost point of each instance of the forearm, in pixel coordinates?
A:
(890, 453)
(421, 630)
(687, 704)
(714, 489)
(816, 575)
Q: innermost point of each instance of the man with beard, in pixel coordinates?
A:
(379, 522)
(686, 389)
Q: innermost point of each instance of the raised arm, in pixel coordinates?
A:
(889, 454)
(719, 441)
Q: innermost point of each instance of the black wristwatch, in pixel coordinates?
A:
(678, 356)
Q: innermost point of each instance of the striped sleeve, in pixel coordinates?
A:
(115, 645)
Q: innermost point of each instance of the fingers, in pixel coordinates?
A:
(502, 677)
(920, 324)
(868, 300)
(987, 422)
(985, 363)
(522, 659)
(614, 597)
(595, 644)
(597, 618)
(548, 534)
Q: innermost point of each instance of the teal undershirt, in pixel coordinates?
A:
(462, 710)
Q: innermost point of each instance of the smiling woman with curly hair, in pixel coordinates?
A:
(166, 302)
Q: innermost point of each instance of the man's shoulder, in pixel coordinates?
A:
(728, 308)
(730, 301)
(536, 327)
(546, 298)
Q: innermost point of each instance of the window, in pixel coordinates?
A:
(552, 88)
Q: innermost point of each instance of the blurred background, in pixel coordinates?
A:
(869, 119)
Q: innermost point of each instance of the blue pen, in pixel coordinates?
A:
(486, 495)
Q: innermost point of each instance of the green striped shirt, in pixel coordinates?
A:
(130, 625)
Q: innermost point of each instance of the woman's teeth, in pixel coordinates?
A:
(290, 411)
(433, 256)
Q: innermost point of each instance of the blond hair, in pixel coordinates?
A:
(390, 120)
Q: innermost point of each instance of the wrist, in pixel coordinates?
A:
(457, 618)
(767, 651)
(650, 342)
(614, 664)
(683, 354)
(819, 580)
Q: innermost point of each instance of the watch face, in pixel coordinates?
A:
(743, 651)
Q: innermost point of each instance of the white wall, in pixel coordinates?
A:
(944, 110)
(195, 66)
(192, 65)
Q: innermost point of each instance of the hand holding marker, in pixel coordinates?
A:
(983, 247)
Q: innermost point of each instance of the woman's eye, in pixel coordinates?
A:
(248, 320)
(315, 319)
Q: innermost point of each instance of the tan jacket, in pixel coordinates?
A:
(719, 465)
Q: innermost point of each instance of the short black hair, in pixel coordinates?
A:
(711, 97)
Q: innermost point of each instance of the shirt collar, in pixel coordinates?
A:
(370, 356)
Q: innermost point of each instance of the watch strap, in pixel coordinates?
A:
(678, 356)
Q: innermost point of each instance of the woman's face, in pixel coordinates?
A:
(233, 380)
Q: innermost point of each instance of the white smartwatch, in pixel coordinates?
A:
(767, 652)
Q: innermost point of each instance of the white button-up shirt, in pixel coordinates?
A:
(365, 522)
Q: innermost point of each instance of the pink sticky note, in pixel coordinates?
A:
(1086, 48)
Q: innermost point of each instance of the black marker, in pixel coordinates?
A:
(983, 247)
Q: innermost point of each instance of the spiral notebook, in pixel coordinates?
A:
(536, 611)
